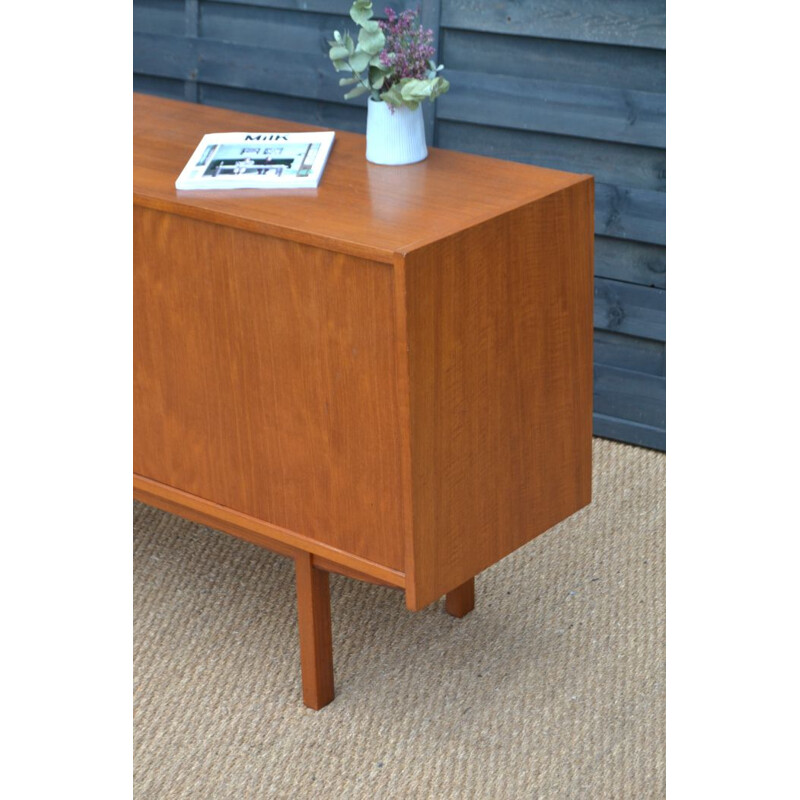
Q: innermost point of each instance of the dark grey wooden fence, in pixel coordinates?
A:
(577, 85)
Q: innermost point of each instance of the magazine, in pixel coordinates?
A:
(257, 161)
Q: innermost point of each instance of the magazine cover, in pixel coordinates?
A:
(257, 161)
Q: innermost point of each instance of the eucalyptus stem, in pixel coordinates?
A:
(361, 80)
(397, 55)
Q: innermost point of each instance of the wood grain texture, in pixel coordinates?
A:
(359, 208)
(594, 112)
(641, 23)
(395, 579)
(499, 327)
(244, 66)
(642, 264)
(630, 395)
(607, 65)
(264, 381)
(165, 55)
(159, 16)
(169, 88)
(627, 308)
(565, 85)
(632, 353)
(314, 626)
(302, 110)
(261, 533)
(612, 163)
(414, 415)
(192, 22)
(630, 389)
(319, 6)
(625, 430)
(630, 202)
(430, 13)
(637, 214)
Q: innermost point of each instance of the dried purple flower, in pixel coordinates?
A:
(392, 60)
(408, 47)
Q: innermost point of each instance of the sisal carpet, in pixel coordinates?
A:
(553, 687)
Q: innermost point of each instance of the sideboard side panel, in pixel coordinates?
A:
(499, 326)
(264, 381)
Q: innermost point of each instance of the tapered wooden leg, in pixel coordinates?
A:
(314, 622)
(461, 600)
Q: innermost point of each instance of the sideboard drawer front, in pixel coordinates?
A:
(264, 380)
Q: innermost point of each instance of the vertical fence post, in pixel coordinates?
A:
(192, 12)
(430, 17)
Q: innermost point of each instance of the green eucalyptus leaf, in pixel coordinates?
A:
(338, 52)
(359, 61)
(371, 42)
(414, 89)
(377, 77)
(365, 55)
(360, 89)
(361, 11)
(434, 69)
(410, 92)
(392, 96)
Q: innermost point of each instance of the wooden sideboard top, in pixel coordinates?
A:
(359, 208)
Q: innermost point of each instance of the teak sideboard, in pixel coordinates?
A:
(387, 377)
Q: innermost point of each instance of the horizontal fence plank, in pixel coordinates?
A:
(259, 68)
(322, 6)
(326, 115)
(571, 86)
(628, 308)
(635, 396)
(161, 87)
(554, 60)
(271, 28)
(159, 16)
(164, 56)
(624, 213)
(548, 107)
(314, 6)
(617, 115)
(632, 262)
(621, 212)
(640, 23)
(262, 69)
(630, 352)
(236, 65)
(609, 162)
(623, 430)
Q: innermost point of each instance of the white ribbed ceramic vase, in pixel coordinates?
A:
(394, 135)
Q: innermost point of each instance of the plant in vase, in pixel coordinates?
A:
(393, 60)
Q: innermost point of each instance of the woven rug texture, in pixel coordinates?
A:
(553, 687)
